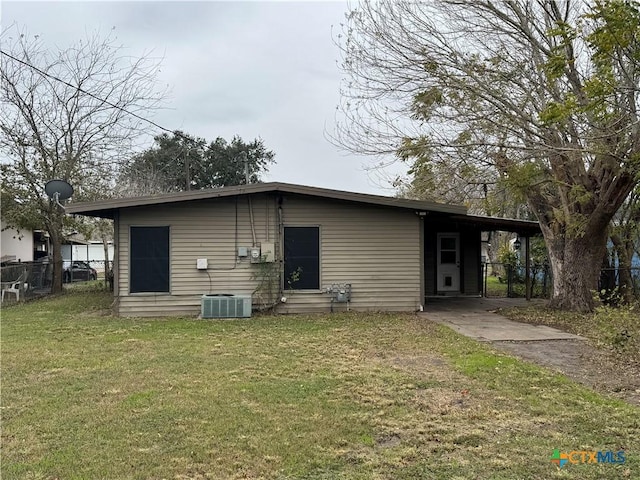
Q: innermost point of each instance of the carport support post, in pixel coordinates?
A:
(527, 267)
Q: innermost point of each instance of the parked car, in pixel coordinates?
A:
(79, 271)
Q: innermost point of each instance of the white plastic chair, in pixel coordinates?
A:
(14, 287)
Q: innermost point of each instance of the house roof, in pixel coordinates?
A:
(107, 208)
(74, 238)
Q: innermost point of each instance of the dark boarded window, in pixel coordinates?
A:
(149, 266)
(302, 258)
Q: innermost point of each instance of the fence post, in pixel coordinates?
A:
(527, 268)
(485, 275)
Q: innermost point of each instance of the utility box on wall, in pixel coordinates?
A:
(268, 252)
(202, 264)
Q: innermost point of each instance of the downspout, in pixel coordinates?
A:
(278, 247)
(266, 207)
(116, 263)
(281, 245)
(421, 227)
(253, 226)
(527, 263)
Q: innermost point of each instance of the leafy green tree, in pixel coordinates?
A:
(66, 113)
(182, 162)
(543, 94)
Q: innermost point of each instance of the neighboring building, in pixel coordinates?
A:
(91, 251)
(395, 253)
(41, 244)
(16, 245)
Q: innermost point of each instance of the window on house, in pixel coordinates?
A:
(301, 258)
(149, 260)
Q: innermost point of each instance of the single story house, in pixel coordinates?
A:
(16, 245)
(23, 245)
(288, 246)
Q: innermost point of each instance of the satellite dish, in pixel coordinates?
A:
(58, 190)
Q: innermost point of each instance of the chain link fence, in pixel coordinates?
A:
(503, 280)
(86, 270)
(619, 285)
(25, 280)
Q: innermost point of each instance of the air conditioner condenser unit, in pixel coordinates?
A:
(226, 306)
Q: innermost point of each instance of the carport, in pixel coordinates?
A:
(452, 252)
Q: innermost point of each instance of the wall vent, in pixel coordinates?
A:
(226, 306)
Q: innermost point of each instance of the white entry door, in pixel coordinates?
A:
(448, 262)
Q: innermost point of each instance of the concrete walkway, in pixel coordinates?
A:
(476, 318)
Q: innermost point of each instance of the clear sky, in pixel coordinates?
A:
(256, 69)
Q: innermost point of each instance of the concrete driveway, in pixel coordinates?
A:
(565, 353)
(476, 318)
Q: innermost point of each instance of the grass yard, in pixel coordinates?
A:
(494, 287)
(360, 396)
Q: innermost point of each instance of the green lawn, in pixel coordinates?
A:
(495, 287)
(89, 396)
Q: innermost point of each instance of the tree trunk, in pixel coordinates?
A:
(108, 271)
(575, 263)
(54, 224)
(56, 245)
(105, 245)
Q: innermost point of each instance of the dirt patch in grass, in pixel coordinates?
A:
(580, 361)
(608, 360)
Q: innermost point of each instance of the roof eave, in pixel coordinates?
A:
(521, 227)
(106, 208)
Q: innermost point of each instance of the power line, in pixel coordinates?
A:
(96, 97)
(111, 104)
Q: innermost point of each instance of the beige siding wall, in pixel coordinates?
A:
(376, 249)
(204, 229)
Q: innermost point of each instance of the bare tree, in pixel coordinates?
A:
(544, 94)
(69, 114)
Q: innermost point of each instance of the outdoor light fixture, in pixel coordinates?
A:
(517, 244)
